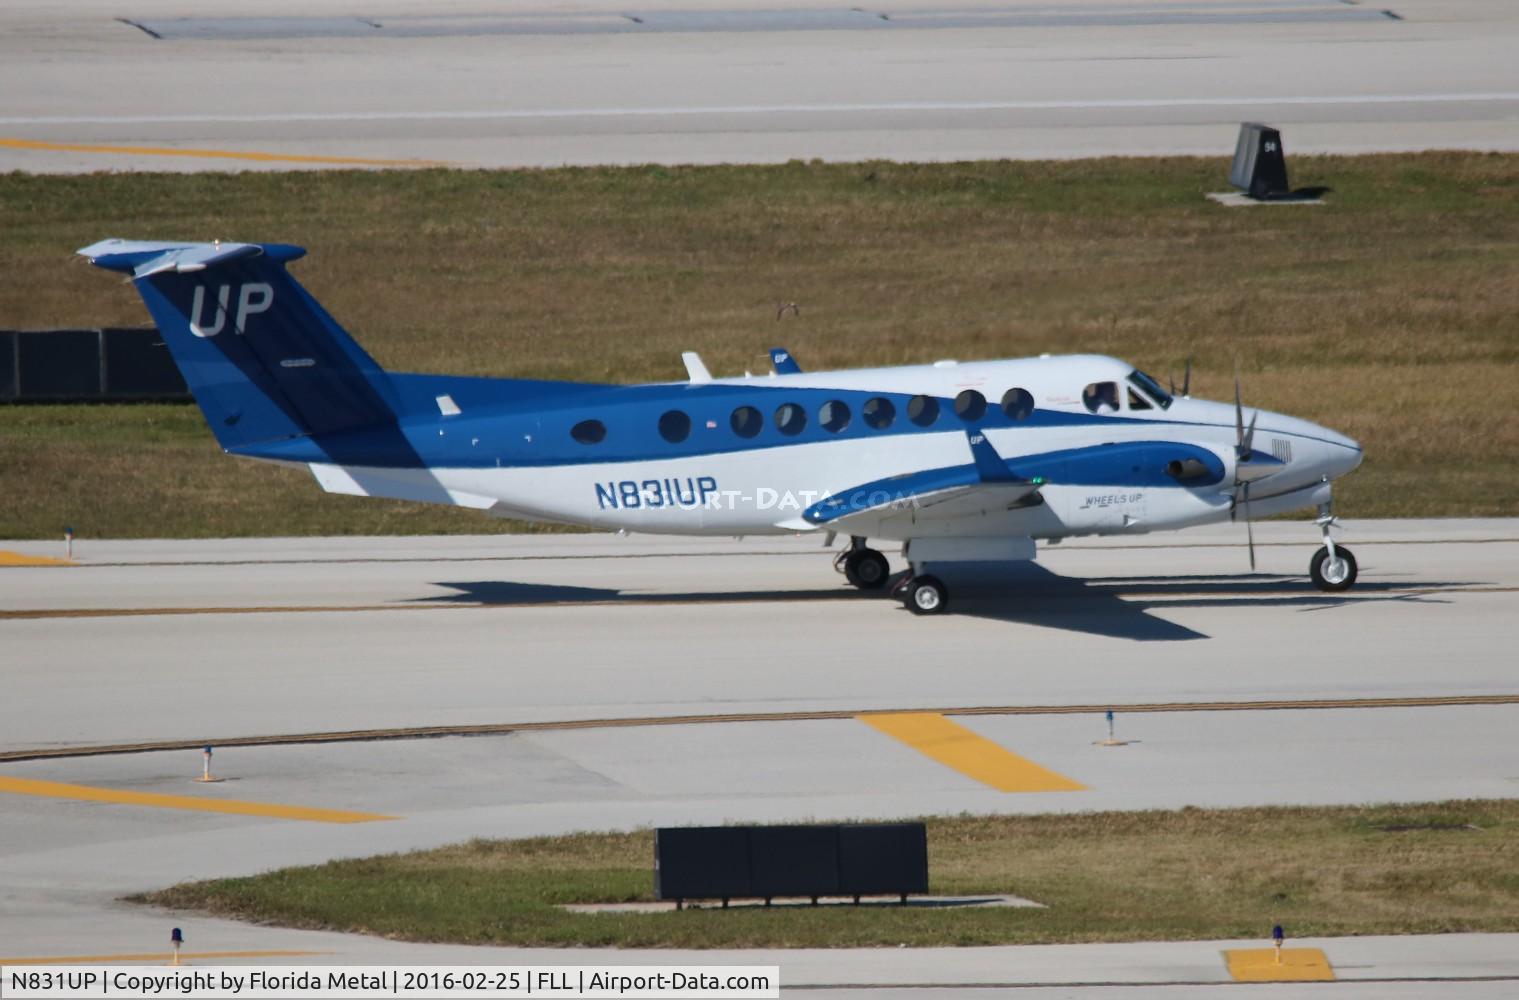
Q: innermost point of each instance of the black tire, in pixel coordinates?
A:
(867, 569)
(1332, 578)
(927, 596)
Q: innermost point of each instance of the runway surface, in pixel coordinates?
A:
(635, 681)
(171, 86)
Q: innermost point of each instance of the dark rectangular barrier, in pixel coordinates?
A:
(137, 365)
(883, 858)
(763, 862)
(88, 366)
(702, 863)
(7, 365)
(59, 364)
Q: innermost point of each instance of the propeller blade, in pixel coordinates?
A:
(1249, 529)
(1239, 415)
(1249, 439)
(1186, 381)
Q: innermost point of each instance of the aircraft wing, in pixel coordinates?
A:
(986, 484)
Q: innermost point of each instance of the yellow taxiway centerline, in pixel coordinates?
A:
(153, 957)
(213, 154)
(8, 558)
(86, 793)
(1259, 965)
(974, 756)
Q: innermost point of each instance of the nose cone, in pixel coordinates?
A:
(1333, 454)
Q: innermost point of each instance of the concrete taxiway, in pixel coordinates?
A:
(173, 86)
(596, 682)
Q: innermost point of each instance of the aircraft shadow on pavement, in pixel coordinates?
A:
(1025, 594)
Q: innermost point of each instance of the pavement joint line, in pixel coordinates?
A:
(506, 728)
(11, 142)
(694, 600)
(968, 752)
(154, 957)
(158, 800)
(1110, 983)
(355, 560)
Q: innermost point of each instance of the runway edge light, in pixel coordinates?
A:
(1277, 936)
(176, 939)
(205, 767)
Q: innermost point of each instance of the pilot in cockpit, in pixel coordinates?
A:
(1101, 397)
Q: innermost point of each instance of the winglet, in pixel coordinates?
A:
(784, 363)
(988, 463)
(696, 371)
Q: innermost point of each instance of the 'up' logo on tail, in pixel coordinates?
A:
(254, 297)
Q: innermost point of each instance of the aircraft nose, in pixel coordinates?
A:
(1342, 453)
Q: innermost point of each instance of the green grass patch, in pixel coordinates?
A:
(1113, 876)
(1391, 314)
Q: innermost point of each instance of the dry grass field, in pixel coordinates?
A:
(1120, 876)
(1392, 313)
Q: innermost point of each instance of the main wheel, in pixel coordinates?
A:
(866, 569)
(1332, 574)
(927, 596)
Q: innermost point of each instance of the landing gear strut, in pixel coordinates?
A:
(1332, 567)
(862, 566)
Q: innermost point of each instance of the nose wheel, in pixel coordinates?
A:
(1333, 567)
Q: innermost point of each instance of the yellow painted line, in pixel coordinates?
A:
(211, 154)
(1259, 965)
(22, 559)
(954, 746)
(86, 793)
(161, 956)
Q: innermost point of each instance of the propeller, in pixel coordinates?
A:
(1244, 438)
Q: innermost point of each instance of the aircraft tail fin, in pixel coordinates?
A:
(264, 360)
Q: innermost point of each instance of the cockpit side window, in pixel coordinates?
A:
(1150, 388)
(1101, 397)
(1137, 400)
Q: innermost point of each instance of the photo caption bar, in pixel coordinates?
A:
(267, 982)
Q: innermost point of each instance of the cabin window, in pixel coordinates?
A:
(833, 415)
(1101, 397)
(922, 410)
(970, 405)
(790, 418)
(589, 431)
(1138, 402)
(1018, 404)
(746, 421)
(878, 413)
(674, 426)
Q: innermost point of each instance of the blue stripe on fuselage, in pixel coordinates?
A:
(519, 423)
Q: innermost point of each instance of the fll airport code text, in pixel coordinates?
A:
(418, 982)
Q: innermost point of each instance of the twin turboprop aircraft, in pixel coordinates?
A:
(959, 461)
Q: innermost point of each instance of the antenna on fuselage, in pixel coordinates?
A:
(1186, 382)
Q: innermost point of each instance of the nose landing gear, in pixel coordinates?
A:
(1332, 567)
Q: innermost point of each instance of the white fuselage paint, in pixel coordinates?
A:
(765, 490)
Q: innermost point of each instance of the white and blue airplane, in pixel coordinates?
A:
(959, 461)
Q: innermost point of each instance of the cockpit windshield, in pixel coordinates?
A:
(1151, 388)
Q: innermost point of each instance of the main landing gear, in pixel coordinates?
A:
(1332, 567)
(863, 567)
(867, 569)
